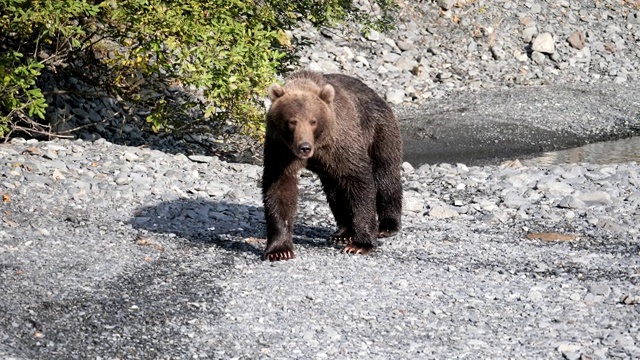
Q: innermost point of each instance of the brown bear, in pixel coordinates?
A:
(339, 128)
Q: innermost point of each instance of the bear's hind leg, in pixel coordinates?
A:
(388, 199)
(344, 234)
(359, 203)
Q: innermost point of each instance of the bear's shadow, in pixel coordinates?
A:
(235, 227)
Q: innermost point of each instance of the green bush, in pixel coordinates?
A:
(216, 56)
(26, 27)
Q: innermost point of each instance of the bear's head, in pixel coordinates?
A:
(300, 115)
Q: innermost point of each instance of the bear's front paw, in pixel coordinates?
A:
(282, 253)
(353, 248)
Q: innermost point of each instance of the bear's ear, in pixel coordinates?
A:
(275, 92)
(327, 93)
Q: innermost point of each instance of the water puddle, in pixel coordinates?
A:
(608, 152)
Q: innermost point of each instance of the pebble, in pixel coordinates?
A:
(538, 58)
(442, 212)
(395, 96)
(577, 40)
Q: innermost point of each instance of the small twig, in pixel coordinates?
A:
(78, 92)
(493, 35)
(41, 132)
(88, 125)
(93, 42)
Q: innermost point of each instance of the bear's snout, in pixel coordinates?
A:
(305, 149)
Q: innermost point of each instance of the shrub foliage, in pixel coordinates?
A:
(192, 65)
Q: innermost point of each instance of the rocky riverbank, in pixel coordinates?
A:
(445, 58)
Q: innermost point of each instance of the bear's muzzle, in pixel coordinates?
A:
(305, 150)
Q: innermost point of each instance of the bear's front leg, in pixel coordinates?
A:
(280, 198)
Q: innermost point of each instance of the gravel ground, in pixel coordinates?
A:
(111, 251)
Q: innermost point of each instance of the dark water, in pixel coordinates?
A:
(608, 152)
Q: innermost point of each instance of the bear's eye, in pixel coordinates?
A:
(313, 122)
(293, 123)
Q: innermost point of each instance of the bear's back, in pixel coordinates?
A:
(369, 106)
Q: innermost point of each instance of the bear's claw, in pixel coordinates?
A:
(342, 236)
(279, 255)
(357, 249)
(341, 240)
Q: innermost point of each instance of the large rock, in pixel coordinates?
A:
(544, 43)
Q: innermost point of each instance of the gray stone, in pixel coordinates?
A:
(80, 113)
(529, 33)
(596, 198)
(361, 59)
(514, 200)
(571, 202)
(50, 154)
(497, 52)
(129, 156)
(554, 188)
(128, 128)
(577, 40)
(446, 4)
(328, 66)
(94, 116)
(314, 66)
(544, 43)
(406, 63)
(491, 219)
(572, 355)
(391, 57)
(372, 35)
(412, 203)
(395, 96)
(600, 290)
(442, 212)
(536, 8)
(57, 175)
(538, 58)
(407, 168)
(391, 43)
(123, 180)
(572, 173)
(520, 56)
(405, 45)
(217, 190)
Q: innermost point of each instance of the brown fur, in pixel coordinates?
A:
(337, 127)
